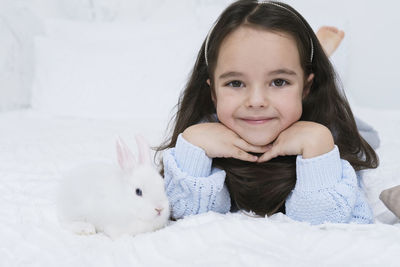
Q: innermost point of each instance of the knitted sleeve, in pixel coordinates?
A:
(327, 191)
(191, 184)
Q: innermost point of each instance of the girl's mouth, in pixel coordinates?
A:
(255, 120)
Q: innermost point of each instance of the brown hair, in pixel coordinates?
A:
(264, 187)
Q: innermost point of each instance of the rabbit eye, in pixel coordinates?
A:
(138, 192)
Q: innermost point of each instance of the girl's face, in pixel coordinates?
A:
(259, 84)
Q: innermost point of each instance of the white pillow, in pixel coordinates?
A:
(75, 30)
(114, 70)
(80, 31)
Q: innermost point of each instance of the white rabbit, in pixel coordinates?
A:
(116, 200)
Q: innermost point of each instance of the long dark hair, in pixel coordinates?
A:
(264, 187)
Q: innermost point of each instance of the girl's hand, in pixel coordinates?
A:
(305, 138)
(218, 141)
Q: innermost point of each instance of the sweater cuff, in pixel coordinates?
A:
(320, 172)
(192, 159)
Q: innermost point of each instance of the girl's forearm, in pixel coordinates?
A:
(318, 143)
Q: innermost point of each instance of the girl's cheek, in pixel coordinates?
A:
(295, 113)
(222, 113)
(225, 112)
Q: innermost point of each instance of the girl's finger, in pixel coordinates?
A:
(238, 153)
(242, 144)
(270, 154)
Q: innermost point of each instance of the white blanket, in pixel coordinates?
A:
(35, 149)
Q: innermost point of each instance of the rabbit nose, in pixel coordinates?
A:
(158, 210)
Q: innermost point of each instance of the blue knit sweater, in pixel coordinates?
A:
(327, 188)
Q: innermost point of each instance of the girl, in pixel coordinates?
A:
(262, 127)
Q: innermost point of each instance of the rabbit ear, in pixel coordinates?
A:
(144, 150)
(126, 159)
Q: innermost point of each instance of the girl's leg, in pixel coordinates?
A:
(330, 38)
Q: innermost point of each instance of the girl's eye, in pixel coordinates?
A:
(279, 83)
(235, 84)
(138, 192)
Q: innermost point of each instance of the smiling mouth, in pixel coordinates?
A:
(256, 121)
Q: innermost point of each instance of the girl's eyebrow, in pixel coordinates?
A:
(231, 74)
(283, 71)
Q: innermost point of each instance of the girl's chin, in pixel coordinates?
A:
(258, 141)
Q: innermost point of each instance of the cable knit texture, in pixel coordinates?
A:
(191, 184)
(326, 189)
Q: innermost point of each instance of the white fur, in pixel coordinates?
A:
(99, 196)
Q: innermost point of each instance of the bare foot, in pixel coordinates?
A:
(330, 38)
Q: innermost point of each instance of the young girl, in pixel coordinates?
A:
(262, 127)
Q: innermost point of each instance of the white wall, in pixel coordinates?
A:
(368, 58)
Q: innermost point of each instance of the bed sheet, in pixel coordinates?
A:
(36, 148)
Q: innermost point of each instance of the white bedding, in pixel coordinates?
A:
(36, 148)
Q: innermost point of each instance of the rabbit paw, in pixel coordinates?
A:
(81, 228)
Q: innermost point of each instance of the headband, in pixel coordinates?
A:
(259, 2)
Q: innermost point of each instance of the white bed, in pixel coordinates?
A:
(36, 148)
(93, 82)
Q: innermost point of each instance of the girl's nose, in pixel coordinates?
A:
(257, 98)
